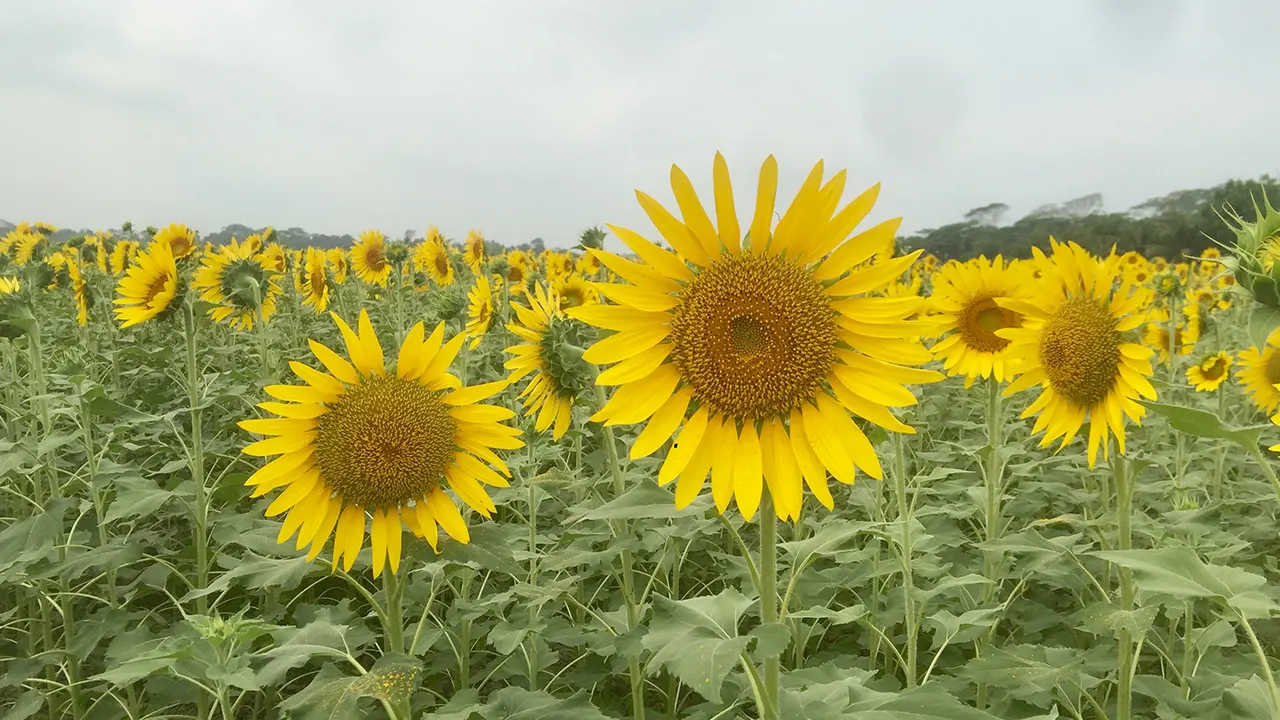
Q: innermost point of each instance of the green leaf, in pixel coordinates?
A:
(27, 705)
(843, 616)
(1179, 572)
(772, 639)
(1031, 672)
(645, 500)
(514, 703)
(136, 496)
(697, 639)
(1249, 699)
(1202, 423)
(295, 646)
(393, 679)
(1263, 320)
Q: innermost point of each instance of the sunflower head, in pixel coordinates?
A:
(315, 281)
(122, 255)
(80, 291)
(551, 351)
(967, 311)
(1255, 250)
(150, 288)
(28, 247)
(473, 250)
(369, 258)
(1259, 373)
(243, 286)
(1073, 345)
(337, 258)
(574, 291)
(1209, 374)
(479, 309)
(1168, 284)
(180, 239)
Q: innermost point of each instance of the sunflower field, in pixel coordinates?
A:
(761, 462)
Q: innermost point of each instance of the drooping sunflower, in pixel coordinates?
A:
(757, 351)
(180, 239)
(367, 440)
(27, 246)
(242, 285)
(148, 287)
(479, 310)
(546, 352)
(338, 264)
(473, 250)
(369, 258)
(79, 290)
(1072, 345)
(1259, 373)
(574, 291)
(1209, 374)
(432, 257)
(122, 255)
(964, 301)
(315, 280)
(9, 285)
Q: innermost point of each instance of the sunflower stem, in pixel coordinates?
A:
(908, 579)
(993, 475)
(1264, 666)
(393, 627)
(1266, 468)
(201, 510)
(1219, 460)
(628, 578)
(1124, 510)
(769, 601)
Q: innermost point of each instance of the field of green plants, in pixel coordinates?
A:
(599, 484)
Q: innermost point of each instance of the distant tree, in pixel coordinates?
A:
(987, 214)
(536, 245)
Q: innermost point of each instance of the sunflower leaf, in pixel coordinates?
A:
(1205, 424)
(331, 696)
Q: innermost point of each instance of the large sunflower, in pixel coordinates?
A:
(1260, 373)
(242, 286)
(149, 286)
(479, 310)
(964, 301)
(1209, 374)
(315, 280)
(758, 351)
(180, 239)
(364, 440)
(546, 352)
(1072, 345)
(369, 258)
(473, 250)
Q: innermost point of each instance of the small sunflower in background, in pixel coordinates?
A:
(551, 352)
(1209, 374)
(588, 265)
(432, 258)
(363, 442)
(337, 258)
(369, 258)
(473, 250)
(559, 265)
(122, 255)
(79, 290)
(149, 287)
(519, 270)
(758, 347)
(180, 239)
(28, 246)
(479, 310)
(315, 280)
(964, 301)
(574, 291)
(274, 257)
(9, 285)
(1186, 332)
(1259, 373)
(1072, 346)
(242, 285)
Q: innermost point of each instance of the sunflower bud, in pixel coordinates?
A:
(1257, 249)
(562, 347)
(397, 254)
(1169, 284)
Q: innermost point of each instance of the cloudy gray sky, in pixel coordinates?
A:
(527, 118)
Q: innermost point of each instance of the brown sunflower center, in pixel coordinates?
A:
(317, 280)
(1214, 369)
(979, 322)
(1273, 366)
(156, 287)
(442, 264)
(375, 258)
(1080, 351)
(754, 336)
(386, 442)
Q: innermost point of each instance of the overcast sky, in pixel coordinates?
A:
(532, 118)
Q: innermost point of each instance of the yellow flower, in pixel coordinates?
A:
(964, 298)
(519, 269)
(80, 290)
(274, 256)
(1259, 373)
(558, 378)
(559, 265)
(315, 280)
(574, 291)
(1210, 373)
(1071, 345)
(473, 250)
(25, 246)
(362, 439)
(242, 286)
(338, 264)
(148, 287)
(369, 258)
(432, 257)
(9, 286)
(589, 265)
(122, 255)
(1187, 332)
(180, 239)
(757, 351)
(479, 310)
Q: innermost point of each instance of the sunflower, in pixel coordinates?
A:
(519, 269)
(122, 255)
(479, 310)
(1259, 373)
(148, 287)
(964, 298)
(559, 265)
(757, 351)
(93, 248)
(243, 286)
(1071, 344)
(57, 263)
(364, 440)
(27, 246)
(369, 258)
(274, 256)
(574, 291)
(473, 250)
(338, 264)
(559, 377)
(80, 290)
(9, 286)
(1210, 373)
(1186, 334)
(432, 257)
(315, 280)
(589, 265)
(180, 239)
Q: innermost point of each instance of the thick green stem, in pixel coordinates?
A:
(906, 551)
(201, 514)
(1187, 647)
(1124, 541)
(993, 477)
(769, 601)
(1266, 468)
(1221, 451)
(393, 629)
(1264, 666)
